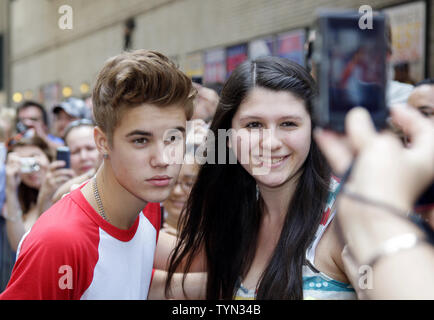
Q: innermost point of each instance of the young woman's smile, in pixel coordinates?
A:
(277, 130)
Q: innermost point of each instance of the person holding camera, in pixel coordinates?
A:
(84, 156)
(32, 119)
(31, 180)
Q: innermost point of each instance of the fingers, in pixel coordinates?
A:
(55, 165)
(12, 158)
(13, 163)
(57, 175)
(359, 128)
(335, 149)
(419, 129)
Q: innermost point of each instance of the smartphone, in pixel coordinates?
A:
(350, 63)
(197, 79)
(63, 154)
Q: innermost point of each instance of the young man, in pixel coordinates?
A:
(67, 111)
(96, 242)
(32, 115)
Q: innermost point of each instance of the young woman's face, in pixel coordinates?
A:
(147, 150)
(273, 131)
(33, 179)
(84, 154)
(179, 195)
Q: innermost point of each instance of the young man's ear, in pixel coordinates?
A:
(101, 141)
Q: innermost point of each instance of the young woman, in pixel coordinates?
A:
(85, 158)
(178, 197)
(264, 235)
(84, 154)
(29, 187)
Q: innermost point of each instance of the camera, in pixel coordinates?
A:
(29, 165)
(27, 132)
(21, 127)
(350, 62)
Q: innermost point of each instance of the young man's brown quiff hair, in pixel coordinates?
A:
(133, 78)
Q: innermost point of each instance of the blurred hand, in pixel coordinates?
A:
(383, 169)
(13, 167)
(55, 177)
(39, 129)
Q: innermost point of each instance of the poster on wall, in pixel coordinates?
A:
(235, 55)
(261, 47)
(290, 45)
(408, 24)
(215, 66)
(194, 65)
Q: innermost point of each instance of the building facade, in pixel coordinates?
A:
(58, 46)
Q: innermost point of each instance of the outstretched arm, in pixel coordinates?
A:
(194, 287)
(385, 175)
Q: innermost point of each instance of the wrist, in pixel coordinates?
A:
(15, 217)
(366, 226)
(11, 190)
(391, 201)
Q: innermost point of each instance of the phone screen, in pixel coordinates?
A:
(352, 68)
(63, 154)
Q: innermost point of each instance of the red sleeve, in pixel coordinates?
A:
(152, 211)
(47, 268)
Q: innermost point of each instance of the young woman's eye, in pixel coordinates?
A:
(289, 124)
(254, 125)
(427, 114)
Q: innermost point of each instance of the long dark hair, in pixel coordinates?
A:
(223, 215)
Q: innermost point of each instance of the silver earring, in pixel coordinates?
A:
(105, 155)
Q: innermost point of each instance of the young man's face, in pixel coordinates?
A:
(139, 149)
(32, 117)
(61, 121)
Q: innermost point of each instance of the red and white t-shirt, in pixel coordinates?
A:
(71, 252)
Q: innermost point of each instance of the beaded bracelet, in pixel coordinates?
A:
(376, 203)
(400, 242)
(394, 245)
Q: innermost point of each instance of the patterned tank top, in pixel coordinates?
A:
(316, 284)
